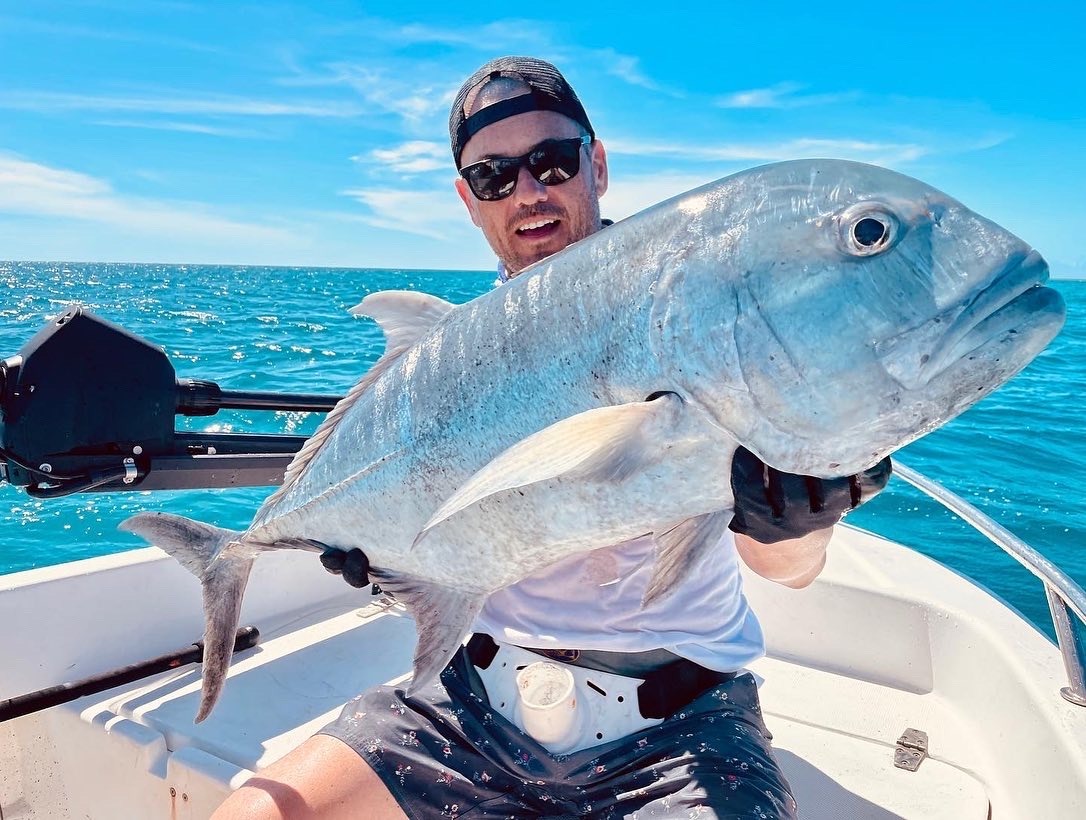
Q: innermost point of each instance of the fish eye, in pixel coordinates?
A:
(867, 229)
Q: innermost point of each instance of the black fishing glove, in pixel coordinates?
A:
(772, 506)
(353, 565)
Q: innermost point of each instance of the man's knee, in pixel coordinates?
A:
(321, 778)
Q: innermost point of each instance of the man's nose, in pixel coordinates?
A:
(529, 189)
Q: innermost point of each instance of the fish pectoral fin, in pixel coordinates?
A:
(603, 444)
(680, 550)
(405, 316)
(443, 616)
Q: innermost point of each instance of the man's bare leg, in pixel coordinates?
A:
(322, 778)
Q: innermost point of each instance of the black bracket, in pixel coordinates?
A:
(87, 406)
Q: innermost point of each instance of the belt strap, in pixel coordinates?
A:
(668, 690)
(664, 691)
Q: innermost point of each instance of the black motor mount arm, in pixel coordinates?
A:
(86, 405)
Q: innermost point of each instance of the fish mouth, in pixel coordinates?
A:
(1016, 301)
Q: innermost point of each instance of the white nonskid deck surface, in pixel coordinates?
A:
(283, 691)
(885, 640)
(834, 736)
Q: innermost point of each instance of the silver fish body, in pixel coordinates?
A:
(821, 313)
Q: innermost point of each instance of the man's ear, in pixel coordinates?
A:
(599, 167)
(469, 200)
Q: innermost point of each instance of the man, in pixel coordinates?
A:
(531, 175)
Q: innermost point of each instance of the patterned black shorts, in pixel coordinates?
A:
(445, 753)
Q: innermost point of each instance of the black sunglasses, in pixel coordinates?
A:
(552, 162)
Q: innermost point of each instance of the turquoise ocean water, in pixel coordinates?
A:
(1018, 455)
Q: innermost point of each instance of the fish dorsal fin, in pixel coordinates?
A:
(405, 316)
(603, 444)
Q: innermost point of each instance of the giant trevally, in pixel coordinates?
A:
(821, 313)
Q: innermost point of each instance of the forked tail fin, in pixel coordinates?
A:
(222, 563)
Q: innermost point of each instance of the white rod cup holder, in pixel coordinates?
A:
(548, 704)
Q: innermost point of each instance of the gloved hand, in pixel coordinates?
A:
(772, 506)
(353, 565)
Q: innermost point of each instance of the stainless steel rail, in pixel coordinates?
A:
(1065, 597)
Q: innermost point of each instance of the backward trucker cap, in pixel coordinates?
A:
(548, 91)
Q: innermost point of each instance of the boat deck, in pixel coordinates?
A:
(885, 640)
(834, 735)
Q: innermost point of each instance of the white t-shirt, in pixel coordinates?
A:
(593, 601)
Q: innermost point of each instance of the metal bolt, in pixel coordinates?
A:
(45, 468)
(137, 450)
(184, 796)
(173, 792)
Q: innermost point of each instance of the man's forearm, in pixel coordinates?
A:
(794, 563)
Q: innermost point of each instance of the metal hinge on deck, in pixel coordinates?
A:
(911, 749)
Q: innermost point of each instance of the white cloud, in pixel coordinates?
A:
(55, 29)
(883, 153)
(399, 94)
(383, 89)
(633, 193)
(627, 68)
(32, 189)
(782, 95)
(490, 38)
(44, 101)
(183, 127)
(436, 213)
(414, 157)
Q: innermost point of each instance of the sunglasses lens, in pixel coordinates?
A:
(555, 163)
(493, 179)
(551, 162)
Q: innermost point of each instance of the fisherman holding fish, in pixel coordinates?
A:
(689, 740)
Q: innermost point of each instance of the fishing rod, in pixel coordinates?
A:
(246, 638)
(88, 406)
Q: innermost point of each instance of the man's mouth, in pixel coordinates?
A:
(538, 228)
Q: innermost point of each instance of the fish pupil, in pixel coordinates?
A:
(869, 232)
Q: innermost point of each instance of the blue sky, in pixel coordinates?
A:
(276, 133)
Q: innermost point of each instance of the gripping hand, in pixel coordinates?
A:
(772, 506)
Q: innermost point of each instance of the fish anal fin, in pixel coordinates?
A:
(443, 616)
(680, 550)
(602, 444)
